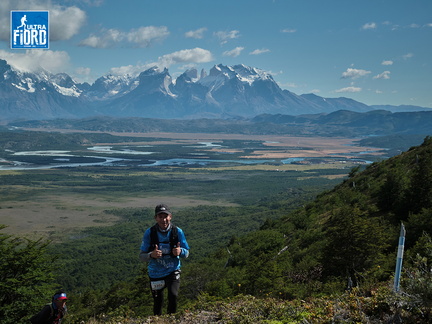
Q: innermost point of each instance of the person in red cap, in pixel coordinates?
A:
(53, 312)
(162, 247)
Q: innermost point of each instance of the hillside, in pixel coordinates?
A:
(330, 261)
(347, 233)
(346, 239)
(298, 267)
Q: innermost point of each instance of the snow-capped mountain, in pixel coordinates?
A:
(110, 86)
(40, 95)
(227, 91)
(235, 91)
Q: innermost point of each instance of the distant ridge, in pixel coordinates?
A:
(339, 123)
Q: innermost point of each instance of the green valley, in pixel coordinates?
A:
(282, 238)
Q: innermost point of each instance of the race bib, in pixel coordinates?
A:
(157, 285)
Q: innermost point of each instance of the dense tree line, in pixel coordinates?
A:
(26, 277)
(339, 123)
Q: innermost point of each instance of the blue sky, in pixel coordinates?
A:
(373, 51)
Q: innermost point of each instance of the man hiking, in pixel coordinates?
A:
(53, 312)
(162, 247)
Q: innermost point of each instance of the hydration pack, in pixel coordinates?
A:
(154, 239)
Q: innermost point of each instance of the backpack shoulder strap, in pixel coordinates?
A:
(174, 236)
(153, 237)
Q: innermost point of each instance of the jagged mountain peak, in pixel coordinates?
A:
(4, 66)
(203, 74)
(5, 70)
(111, 86)
(115, 78)
(155, 80)
(63, 79)
(220, 68)
(111, 80)
(250, 74)
(217, 76)
(155, 70)
(65, 85)
(220, 73)
(191, 74)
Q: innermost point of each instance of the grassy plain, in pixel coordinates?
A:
(54, 215)
(284, 146)
(53, 202)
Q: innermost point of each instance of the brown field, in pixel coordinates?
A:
(52, 215)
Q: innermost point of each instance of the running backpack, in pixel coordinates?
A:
(154, 239)
(33, 318)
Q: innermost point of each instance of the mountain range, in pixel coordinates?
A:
(225, 92)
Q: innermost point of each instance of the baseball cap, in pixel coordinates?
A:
(61, 296)
(162, 208)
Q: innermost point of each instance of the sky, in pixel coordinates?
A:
(374, 51)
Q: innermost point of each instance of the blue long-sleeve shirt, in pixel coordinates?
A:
(167, 264)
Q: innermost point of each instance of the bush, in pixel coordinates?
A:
(26, 277)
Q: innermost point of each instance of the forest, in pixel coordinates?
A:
(318, 250)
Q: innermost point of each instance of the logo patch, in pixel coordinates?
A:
(29, 29)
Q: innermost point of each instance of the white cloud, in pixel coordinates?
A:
(195, 55)
(141, 37)
(93, 3)
(428, 25)
(289, 30)
(94, 41)
(259, 51)
(354, 73)
(185, 67)
(83, 71)
(234, 52)
(83, 74)
(349, 89)
(65, 22)
(187, 56)
(274, 73)
(34, 60)
(198, 34)
(388, 62)
(407, 56)
(133, 70)
(144, 36)
(385, 75)
(370, 25)
(225, 36)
